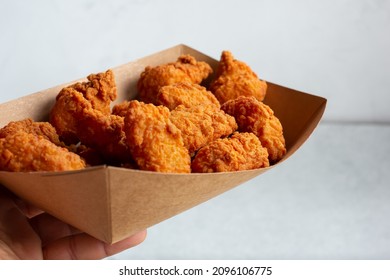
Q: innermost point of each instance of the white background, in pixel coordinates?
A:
(336, 49)
(331, 200)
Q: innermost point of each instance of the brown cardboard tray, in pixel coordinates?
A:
(111, 203)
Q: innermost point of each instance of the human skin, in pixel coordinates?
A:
(30, 234)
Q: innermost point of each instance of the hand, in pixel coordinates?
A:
(28, 233)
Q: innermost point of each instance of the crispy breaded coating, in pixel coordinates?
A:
(43, 129)
(23, 152)
(97, 93)
(201, 124)
(185, 94)
(254, 116)
(100, 90)
(121, 109)
(155, 143)
(76, 120)
(242, 151)
(235, 78)
(62, 116)
(185, 69)
(103, 133)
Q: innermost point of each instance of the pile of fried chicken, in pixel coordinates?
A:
(176, 125)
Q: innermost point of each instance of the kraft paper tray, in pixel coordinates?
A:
(111, 203)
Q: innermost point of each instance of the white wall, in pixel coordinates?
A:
(336, 49)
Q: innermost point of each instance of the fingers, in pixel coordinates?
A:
(16, 235)
(50, 228)
(59, 240)
(27, 209)
(125, 244)
(85, 247)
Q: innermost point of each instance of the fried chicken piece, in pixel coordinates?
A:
(155, 143)
(76, 120)
(97, 93)
(121, 109)
(254, 116)
(100, 90)
(185, 69)
(201, 124)
(186, 94)
(43, 129)
(24, 152)
(235, 78)
(62, 116)
(242, 151)
(103, 133)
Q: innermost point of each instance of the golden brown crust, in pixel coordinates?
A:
(235, 78)
(242, 151)
(190, 123)
(201, 124)
(254, 116)
(95, 94)
(186, 94)
(185, 69)
(62, 115)
(23, 152)
(100, 90)
(155, 143)
(44, 129)
(82, 113)
(121, 109)
(103, 133)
